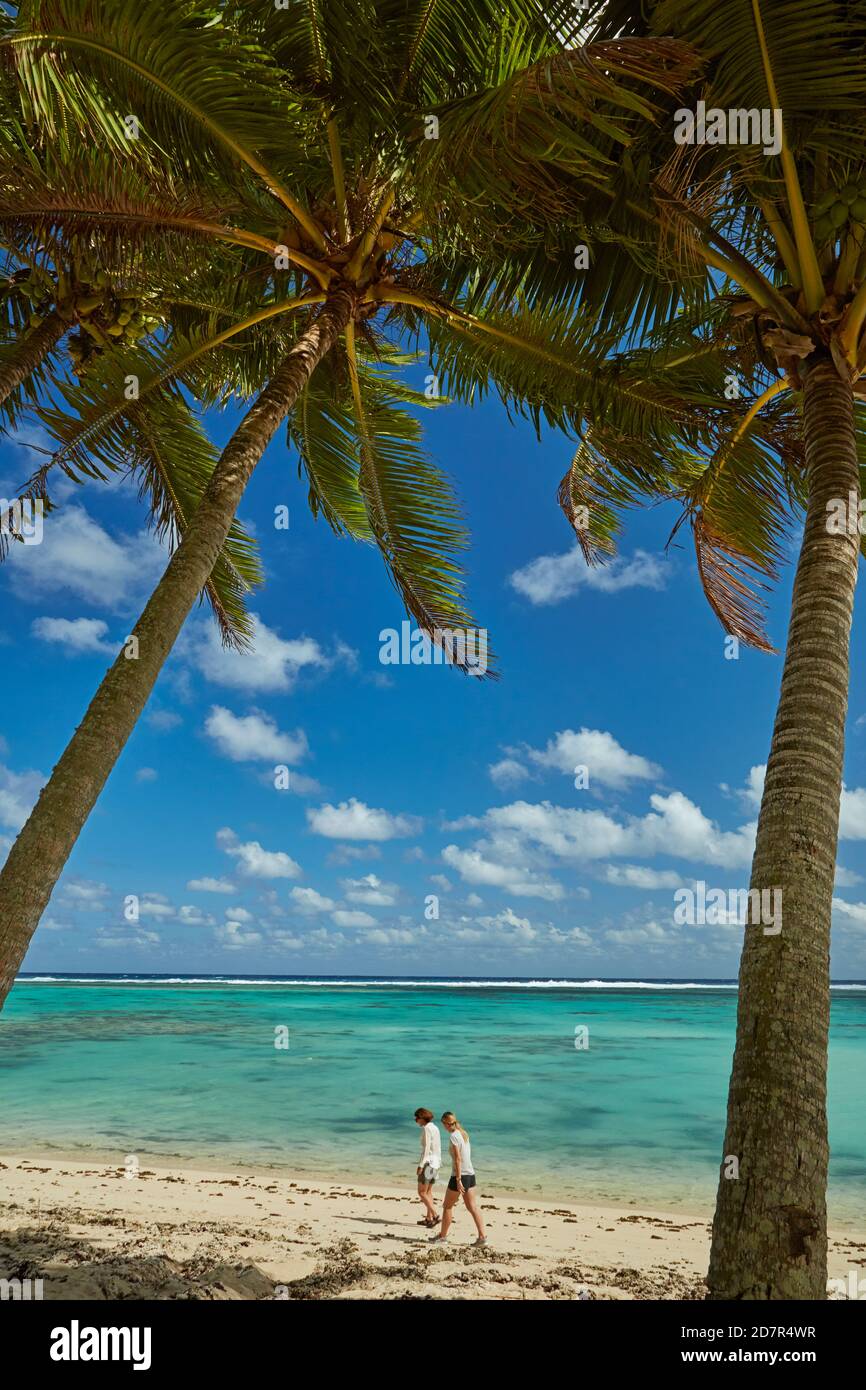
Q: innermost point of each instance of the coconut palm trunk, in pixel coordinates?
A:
(40, 852)
(770, 1229)
(30, 353)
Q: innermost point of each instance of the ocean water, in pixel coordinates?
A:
(186, 1069)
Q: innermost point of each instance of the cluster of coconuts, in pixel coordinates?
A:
(835, 210)
(105, 316)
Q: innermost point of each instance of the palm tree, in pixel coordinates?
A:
(318, 243)
(734, 269)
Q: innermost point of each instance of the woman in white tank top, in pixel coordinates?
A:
(462, 1182)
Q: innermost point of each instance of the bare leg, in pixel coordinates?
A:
(448, 1211)
(474, 1212)
(424, 1191)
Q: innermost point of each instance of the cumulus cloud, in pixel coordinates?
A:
(346, 917)
(507, 772)
(606, 759)
(643, 934)
(155, 905)
(353, 820)
(191, 916)
(75, 635)
(391, 936)
(233, 936)
(637, 876)
(370, 891)
(552, 578)
(256, 862)
(307, 900)
(254, 737)
(273, 664)
(855, 912)
(475, 866)
(140, 940)
(77, 556)
(82, 892)
(210, 885)
(18, 792)
(846, 878)
(675, 827)
(518, 929)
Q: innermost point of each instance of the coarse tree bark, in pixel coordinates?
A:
(770, 1229)
(41, 850)
(30, 352)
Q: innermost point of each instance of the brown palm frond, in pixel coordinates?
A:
(732, 586)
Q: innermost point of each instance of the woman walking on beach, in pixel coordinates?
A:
(431, 1162)
(461, 1182)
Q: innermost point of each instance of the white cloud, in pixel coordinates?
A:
(855, 912)
(344, 917)
(85, 891)
(370, 891)
(75, 634)
(210, 885)
(289, 942)
(18, 792)
(256, 862)
(191, 916)
(474, 867)
(155, 905)
(752, 792)
(307, 900)
(141, 940)
(846, 878)
(51, 924)
(675, 827)
(233, 936)
(254, 737)
(273, 664)
(852, 814)
(552, 578)
(518, 929)
(636, 876)
(352, 820)
(605, 759)
(648, 933)
(391, 936)
(507, 772)
(79, 557)
(146, 774)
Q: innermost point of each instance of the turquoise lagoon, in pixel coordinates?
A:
(187, 1070)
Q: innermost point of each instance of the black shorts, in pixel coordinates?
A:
(428, 1175)
(468, 1181)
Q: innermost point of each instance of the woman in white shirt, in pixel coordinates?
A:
(431, 1162)
(462, 1181)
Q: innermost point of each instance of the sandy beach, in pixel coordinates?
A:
(88, 1231)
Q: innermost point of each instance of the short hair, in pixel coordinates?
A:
(425, 1115)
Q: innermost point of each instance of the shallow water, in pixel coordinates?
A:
(190, 1070)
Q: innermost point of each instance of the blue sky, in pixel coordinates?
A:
(405, 781)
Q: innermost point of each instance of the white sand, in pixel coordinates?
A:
(88, 1231)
